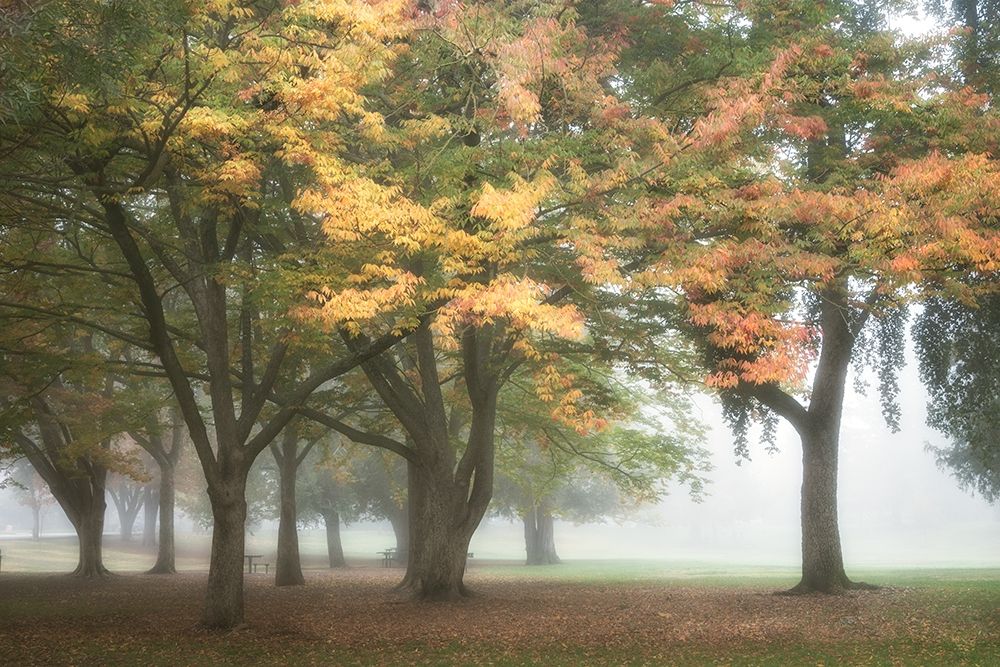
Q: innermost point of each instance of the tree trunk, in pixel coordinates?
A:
(165, 557)
(89, 525)
(128, 524)
(36, 526)
(439, 538)
(150, 506)
(822, 557)
(224, 601)
(334, 547)
(539, 537)
(288, 568)
(819, 430)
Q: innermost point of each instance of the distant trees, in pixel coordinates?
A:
(546, 470)
(128, 496)
(32, 492)
(65, 429)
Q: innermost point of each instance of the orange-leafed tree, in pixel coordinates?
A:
(863, 177)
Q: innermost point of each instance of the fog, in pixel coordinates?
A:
(897, 508)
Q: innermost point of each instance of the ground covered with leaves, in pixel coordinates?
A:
(561, 615)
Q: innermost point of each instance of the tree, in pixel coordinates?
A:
(548, 470)
(64, 419)
(289, 456)
(326, 493)
(497, 118)
(956, 339)
(170, 142)
(163, 439)
(31, 492)
(798, 256)
(128, 496)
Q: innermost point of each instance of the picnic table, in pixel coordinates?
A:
(388, 556)
(250, 558)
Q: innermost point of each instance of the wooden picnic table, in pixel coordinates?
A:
(250, 558)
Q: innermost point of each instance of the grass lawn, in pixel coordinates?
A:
(614, 612)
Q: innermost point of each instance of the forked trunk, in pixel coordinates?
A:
(165, 557)
(334, 547)
(819, 429)
(439, 537)
(128, 525)
(90, 531)
(224, 601)
(288, 568)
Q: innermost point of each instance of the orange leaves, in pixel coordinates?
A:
(555, 386)
(519, 303)
(741, 104)
(766, 349)
(548, 49)
(808, 127)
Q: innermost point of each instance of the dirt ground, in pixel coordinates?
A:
(353, 617)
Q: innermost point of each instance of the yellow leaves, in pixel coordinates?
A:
(552, 385)
(359, 207)
(202, 123)
(76, 102)
(514, 209)
(517, 303)
(419, 130)
(327, 98)
(372, 126)
(237, 176)
(380, 289)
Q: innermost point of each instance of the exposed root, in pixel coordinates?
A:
(837, 588)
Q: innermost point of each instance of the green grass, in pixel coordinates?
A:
(928, 616)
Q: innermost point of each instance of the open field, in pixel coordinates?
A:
(578, 613)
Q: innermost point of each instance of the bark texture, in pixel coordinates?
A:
(224, 602)
(818, 427)
(288, 567)
(89, 525)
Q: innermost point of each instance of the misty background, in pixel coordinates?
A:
(896, 506)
